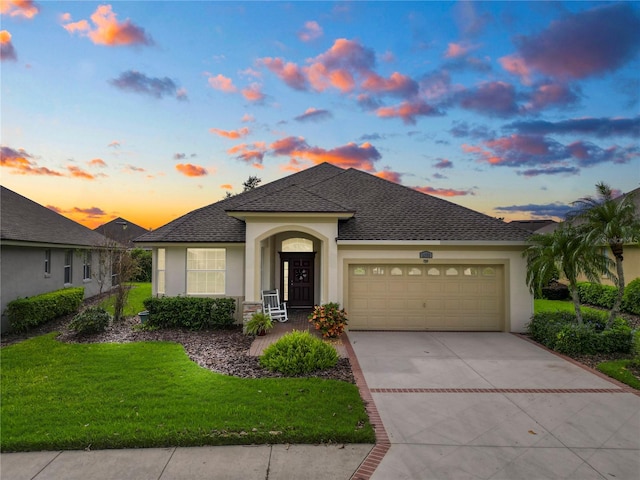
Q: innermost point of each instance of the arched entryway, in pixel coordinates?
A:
(297, 272)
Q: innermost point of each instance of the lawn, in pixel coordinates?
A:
(541, 305)
(149, 394)
(619, 369)
(138, 293)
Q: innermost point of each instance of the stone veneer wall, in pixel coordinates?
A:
(248, 309)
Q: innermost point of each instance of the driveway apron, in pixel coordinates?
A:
(494, 406)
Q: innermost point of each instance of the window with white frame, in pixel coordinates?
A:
(86, 265)
(68, 265)
(206, 271)
(160, 271)
(47, 261)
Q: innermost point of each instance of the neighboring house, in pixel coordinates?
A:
(395, 258)
(42, 251)
(121, 231)
(533, 225)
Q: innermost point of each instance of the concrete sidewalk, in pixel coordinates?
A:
(259, 462)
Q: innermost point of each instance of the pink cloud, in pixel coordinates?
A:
(7, 50)
(457, 50)
(21, 163)
(77, 172)
(108, 31)
(551, 94)
(246, 118)
(389, 175)
(250, 153)
(310, 31)
(396, 83)
(314, 115)
(491, 98)
(443, 163)
(253, 93)
(222, 83)
(408, 111)
(515, 65)
(19, 8)
(97, 162)
(443, 192)
(191, 170)
(288, 72)
(234, 134)
(114, 144)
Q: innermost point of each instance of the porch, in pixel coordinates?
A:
(297, 321)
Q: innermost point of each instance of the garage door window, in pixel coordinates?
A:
(396, 271)
(433, 271)
(471, 272)
(451, 271)
(414, 271)
(488, 272)
(377, 270)
(359, 271)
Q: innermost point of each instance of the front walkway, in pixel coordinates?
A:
(297, 321)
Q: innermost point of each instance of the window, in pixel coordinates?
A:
(470, 272)
(396, 272)
(414, 271)
(377, 270)
(433, 271)
(488, 272)
(47, 261)
(68, 264)
(206, 269)
(451, 271)
(297, 245)
(160, 271)
(359, 271)
(86, 265)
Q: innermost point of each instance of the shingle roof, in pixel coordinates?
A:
(383, 211)
(121, 230)
(24, 220)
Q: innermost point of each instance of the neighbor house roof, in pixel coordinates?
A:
(533, 225)
(121, 230)
(23, 220)
(382, 210)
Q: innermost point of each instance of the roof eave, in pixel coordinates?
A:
(244, 215)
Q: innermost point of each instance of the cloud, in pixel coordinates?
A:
(234, 134)
(491, 98)
(134, 81)
(551, 95)
(314, 115)
(288, 72)
(19, 8)
(253, 93)
(310, 31)
(97, 162)
(191, 170)
(227, 186)
(77, 172)
(455, 50)
(598, 127)
(583, 44)
(549, 210)
(516, 65)
(350, 155)
(22, 163)
(469, 21)
(222, 83)
(250, 153)
(133, 169)
(179, 156)
(408, 111)
(443, 163)
(396, 84)
(91, 212)
(439, 176)
(444, 192)
(463, 129)
(389, 175)
(107, 30)
(114, 144)
(7, 50)
(246, 118)
(534, 172)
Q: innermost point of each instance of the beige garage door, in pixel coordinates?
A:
(426, 297)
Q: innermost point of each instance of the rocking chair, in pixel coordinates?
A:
(271, 306)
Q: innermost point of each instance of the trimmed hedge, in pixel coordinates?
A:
(597, 294)
(559, 331)
(27, 313)
(631, 298)
(193, 313)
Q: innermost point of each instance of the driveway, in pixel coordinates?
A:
(493, 405)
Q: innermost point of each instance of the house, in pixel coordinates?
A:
(533, 225)
(395, 258)
(121, 231)
(42, 251)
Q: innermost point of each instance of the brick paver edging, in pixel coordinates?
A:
(623, 386)
(497, 390)
(379, 450)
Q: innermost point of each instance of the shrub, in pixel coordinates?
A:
(631, 298)
(26, 313)
(575, 339)
(194, 313)
(618, 338)
(144, 263)
(297, 353)
(597, 294)
(92, 320)
(259, 323)
(329, 319)
(555, 291)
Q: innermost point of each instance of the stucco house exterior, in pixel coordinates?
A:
(395, 258)
(42, 251)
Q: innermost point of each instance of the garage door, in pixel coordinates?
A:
(426, 297)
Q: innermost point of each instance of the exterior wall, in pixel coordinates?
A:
(518, 299)
(23, 275)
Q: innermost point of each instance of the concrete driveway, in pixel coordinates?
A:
(494, 406)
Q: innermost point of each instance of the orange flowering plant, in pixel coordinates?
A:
(329, 319)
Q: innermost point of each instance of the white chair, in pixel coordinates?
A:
(271, 306)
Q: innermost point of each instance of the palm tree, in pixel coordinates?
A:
(603, 220)
(564, 251)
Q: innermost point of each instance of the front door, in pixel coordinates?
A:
(297, 279)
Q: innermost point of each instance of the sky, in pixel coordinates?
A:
(147, 110)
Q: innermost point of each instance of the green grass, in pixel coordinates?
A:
(149, 394)
(139, 292)
(618, 370)
(541, 305)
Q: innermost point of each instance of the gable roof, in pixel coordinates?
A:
(383, 210)
(23, 220)
(121, 230)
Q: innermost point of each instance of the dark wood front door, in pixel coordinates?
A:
(297, 279)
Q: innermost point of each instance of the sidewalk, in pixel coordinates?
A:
(259, 462)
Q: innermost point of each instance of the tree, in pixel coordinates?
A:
(251, 183)
(124, 269)
(565, 251)
(605, 221)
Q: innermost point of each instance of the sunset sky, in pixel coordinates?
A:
(147, 110)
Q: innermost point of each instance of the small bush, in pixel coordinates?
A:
(555, 291)
(631, 298)
(329, 319)
(297, 353)
(27, 313)
(574, 339)
(193, 313)
(259, 323)
(596, 294)
(618, 338)
(92, 320)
